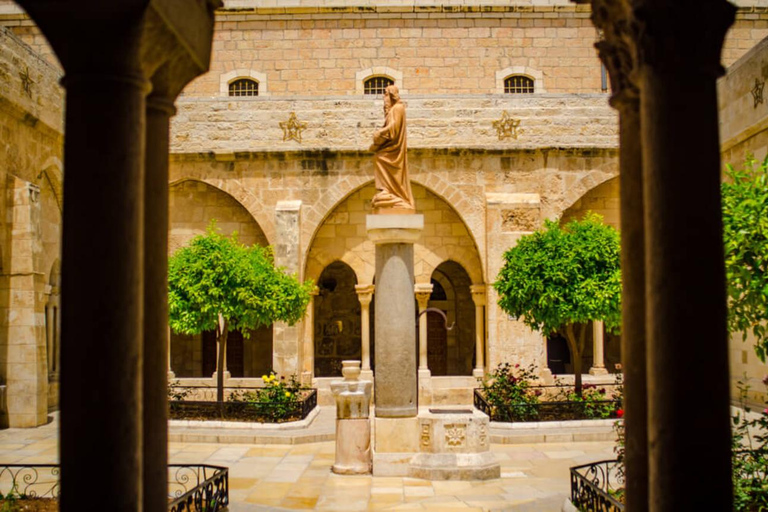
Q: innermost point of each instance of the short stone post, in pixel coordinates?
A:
(479, 298)
(353, 427)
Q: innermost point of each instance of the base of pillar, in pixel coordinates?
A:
(391, 464)
(306, 378)
(598, 370)
(171, 375)
(215, 376)
(366, 375)
(425, 387)
(478, 373)
(396, 435)
(546, 375)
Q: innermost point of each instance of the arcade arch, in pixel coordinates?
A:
(193, 205)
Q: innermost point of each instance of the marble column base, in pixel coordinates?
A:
(595, 370)
(396, 440)
(425, 387)
(478, 373)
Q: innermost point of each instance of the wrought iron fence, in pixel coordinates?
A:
(598, 487)
(245, 410)
(200, 488)
(191, 487)
(546, 410)
(30, 480)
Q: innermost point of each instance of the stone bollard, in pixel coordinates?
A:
(353, 428)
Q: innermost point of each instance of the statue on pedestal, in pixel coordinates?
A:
(393, 186)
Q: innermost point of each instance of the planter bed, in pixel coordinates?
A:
(245, 411)
(556, 410)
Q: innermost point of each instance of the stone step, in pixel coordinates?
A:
(452, 396)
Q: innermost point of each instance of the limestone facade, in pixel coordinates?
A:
(487, 167)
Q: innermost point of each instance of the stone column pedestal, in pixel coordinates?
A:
(353, 427)
(396, 390)
(598, 340)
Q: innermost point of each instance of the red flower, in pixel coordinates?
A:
(619, 413)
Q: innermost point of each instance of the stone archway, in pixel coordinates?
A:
(602, 199)
(451, 352)
(337, 323)
(193, 204)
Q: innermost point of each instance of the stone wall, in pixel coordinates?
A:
(30, 201)
(603, 200)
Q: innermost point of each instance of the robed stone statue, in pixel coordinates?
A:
(393, 186)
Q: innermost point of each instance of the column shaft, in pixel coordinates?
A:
(633, 343)
(365, 326)
(156, 339)
(685, 277)
(102, 287)
(598, 349)
(480, 300)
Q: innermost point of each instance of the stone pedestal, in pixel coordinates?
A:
(353, 427)
(453, 445)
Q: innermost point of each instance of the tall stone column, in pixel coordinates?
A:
(287, 347)
(678, 64)
(171, 374)
(618, 53)
(103, 277)
(598, 349)
(308, 365)
(395, 393)
(480, 300)
(365, 296)
(423, 292)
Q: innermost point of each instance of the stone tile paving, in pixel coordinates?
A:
(534, 477)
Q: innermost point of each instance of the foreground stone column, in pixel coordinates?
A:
(308, 371)
(678, 65)
(353, 427)
(287, 348)
(479, 298)
(423, 292)
(365, 296)
(618, 53)
(598, 349)
(395, 385)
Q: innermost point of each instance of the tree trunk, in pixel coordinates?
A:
(577, 348)
(223, 332)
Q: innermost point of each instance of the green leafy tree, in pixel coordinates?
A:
(561, 278)
(217, 283)
(745, 235)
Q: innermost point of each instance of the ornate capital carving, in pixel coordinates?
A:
(364, 293)
(423, 291)
(617, 50)
(669, 42)
(478, 294)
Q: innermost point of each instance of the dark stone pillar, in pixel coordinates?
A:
(678, 63)
(102, 290)
(617, 52)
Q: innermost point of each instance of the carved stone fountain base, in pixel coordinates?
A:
(454, 444)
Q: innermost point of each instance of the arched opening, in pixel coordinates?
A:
(451, 352)
(603, 200)
(193, 204)
(337, 320)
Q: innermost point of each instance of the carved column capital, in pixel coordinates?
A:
(668, 42)
(423, 291)
(479, 296)
(364, 293)
(613, 18)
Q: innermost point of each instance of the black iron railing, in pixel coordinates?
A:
(29, 480)
(546, 410)
(598, 487)
(200, 488)
(243, 410)
(191, 487)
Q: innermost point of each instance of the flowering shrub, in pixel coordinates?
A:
(276, 400)
(594, 402)
(508, 391)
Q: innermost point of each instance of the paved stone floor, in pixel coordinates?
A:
(278, 477)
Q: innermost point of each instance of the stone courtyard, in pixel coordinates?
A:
(281, 477)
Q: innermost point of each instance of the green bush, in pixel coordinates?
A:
(508, 391)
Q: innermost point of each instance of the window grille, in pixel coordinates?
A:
(376, 85)
(244, 87)
(518, 84)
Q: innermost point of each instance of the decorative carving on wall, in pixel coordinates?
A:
(292, 128)
(26, 82)
(507, 127)
(483, 435)
(757, 91)
(34, 192)
(455, 435)
(425, 435)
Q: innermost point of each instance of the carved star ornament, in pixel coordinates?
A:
(507, 127)
(292, 128)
